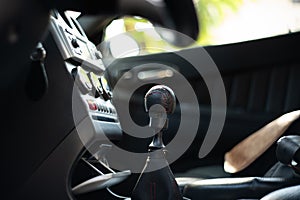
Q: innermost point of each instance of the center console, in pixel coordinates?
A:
(95, 117)
(97, 122)
(93, 111)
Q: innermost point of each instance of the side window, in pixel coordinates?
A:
(252, 19)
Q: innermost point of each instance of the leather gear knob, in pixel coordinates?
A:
(161, 95)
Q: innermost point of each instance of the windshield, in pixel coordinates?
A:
(221, 22)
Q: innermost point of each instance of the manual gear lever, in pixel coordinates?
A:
(159, 102)
(158, 184)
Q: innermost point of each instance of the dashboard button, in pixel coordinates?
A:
(106, 90)
(74, 43)
(98, 55)
(82, 80)
(96, 84)
(92, 105)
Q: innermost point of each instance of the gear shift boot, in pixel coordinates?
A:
(159, 184)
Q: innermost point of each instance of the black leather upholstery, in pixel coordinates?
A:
(279, 176)
(288, 149)
(234, 188)
(259, 78)
(183, 181)
(159, 184)
(275, 87)
(281, 170)
(290, 193)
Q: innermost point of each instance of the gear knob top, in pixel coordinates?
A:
(161, 95)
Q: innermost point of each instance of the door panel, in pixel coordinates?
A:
(261, 79)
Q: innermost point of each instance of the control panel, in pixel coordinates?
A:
(84, 63)
(96, 93)
(73, 42)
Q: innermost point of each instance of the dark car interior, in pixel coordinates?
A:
(81, 124)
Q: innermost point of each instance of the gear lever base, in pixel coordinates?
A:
(159, 184)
